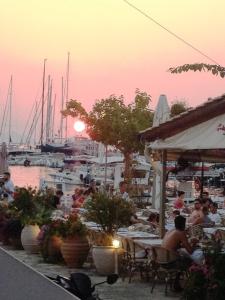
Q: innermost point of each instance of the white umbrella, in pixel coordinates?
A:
(161, 115)
(3, 159)
(162, 111)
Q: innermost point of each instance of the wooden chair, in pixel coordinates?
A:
(133, 261)
(165, 264)
(195, 231)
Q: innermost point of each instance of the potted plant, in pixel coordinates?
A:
(50, 241)
(75, 246)
(110, 212)
(29, 207)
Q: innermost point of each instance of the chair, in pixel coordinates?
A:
(165, 264)
(195, 231)
(134, 261)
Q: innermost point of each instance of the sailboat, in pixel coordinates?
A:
(51, 145)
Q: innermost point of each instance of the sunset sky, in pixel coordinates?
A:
(114, 50)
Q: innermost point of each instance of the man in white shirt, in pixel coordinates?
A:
(123, 191)
(213, 215)
(8, 187)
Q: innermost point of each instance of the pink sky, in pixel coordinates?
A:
(114, 49)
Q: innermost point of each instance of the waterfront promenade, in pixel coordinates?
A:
(119, 291)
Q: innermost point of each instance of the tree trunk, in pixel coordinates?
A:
(128, 167)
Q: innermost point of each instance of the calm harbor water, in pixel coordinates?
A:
(24, 176)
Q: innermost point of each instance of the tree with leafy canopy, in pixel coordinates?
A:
(178, 107)
(114, 123)
(201, 67)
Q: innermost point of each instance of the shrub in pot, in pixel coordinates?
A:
(110, 212)
(50, 241)
(28, 206)
(75, 246)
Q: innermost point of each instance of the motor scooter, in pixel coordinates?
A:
(79, 284)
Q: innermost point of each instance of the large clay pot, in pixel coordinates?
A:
(104, 259)
(75, 251)
(29, 238)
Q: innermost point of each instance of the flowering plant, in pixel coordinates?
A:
(207, 281)
(71, 227)
(196, 285)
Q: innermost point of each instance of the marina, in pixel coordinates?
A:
(112, 150)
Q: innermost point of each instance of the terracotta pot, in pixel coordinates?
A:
(54, 245)
(50, 249)
(29, 238)
(75, 251)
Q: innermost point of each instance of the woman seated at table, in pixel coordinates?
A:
(153, 220)
(179, 202)
(176, 240)
(204, 220)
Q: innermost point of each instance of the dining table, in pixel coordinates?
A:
(136, 235)
(148, 243)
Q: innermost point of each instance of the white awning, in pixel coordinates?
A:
(207, 135)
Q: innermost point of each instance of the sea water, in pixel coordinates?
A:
(30, 176)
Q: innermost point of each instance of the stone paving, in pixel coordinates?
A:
(122, 290)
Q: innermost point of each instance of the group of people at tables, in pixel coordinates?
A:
(204, 213)
(81, 194)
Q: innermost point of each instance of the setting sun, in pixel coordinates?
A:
(79, 126)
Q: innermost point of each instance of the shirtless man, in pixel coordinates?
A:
(176, 238)
(197, 212)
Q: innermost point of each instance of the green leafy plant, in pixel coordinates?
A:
(31, 206)
(114, 123)
(70, 227)
(110, 212)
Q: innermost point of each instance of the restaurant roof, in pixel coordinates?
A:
(192, 117)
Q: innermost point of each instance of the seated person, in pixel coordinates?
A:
(56, 199)
(197, 212)
(206, 202)
(153, 219)
(175, 213)
(213, 215)
(93, 188)
(176, 240)
(204, 220)
(179, 202)
(79, 199)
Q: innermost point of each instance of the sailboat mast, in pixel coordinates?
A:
(10, 109)
(67, 87)
(35, 126)
(53, 118)
(48, 110)
(42, 103)
(5, 113)
(62, 106)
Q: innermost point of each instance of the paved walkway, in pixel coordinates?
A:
(119, 291)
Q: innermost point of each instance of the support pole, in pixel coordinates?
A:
(106, 161)
(163, 195)
(202, 179)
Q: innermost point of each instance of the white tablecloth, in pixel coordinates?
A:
(148, 243)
